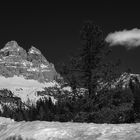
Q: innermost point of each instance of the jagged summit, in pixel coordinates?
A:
(12, 50)
(15, 61)
(123, 80)
(35, 55)
(11, 45)
(34, 50)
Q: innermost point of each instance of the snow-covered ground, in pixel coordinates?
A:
(68, 131)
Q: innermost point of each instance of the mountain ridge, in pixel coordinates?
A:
(24, 73)
(31, 65)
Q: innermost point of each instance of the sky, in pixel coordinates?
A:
(54, 28)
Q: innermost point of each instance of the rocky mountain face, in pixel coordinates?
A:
(14, 60)
(125, 80)
(23, 74)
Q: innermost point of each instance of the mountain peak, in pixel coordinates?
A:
(11, 45)
(14, 60)
(34, 50)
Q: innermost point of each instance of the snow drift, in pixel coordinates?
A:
(41, 130)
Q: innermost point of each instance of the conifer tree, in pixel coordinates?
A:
(85, 69)
(92, 54)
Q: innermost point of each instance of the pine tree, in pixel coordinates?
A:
(83, 69)
(92, 54)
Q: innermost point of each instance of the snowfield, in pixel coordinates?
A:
(41, 130)
(20, 81)
(25, 88)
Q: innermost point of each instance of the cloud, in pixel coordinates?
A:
(129, 38)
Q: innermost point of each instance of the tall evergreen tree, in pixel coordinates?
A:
(88, 66)
(92, 54)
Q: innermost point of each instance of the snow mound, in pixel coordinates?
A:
(5, 120)
(41, 130)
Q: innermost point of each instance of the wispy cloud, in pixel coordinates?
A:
(129, 38)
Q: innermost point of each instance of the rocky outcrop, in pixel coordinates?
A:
(14, 60)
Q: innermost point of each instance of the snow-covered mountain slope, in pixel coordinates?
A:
(123, 80)
(41, 130)
(26, 89)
